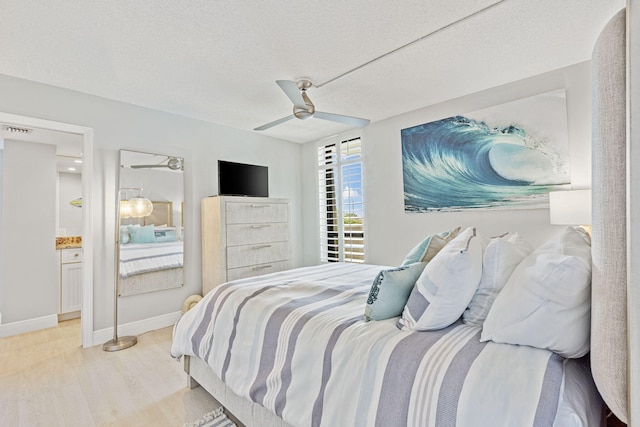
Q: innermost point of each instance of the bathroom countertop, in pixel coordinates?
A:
(68, 242)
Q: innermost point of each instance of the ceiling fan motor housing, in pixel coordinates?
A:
(174, 163)
(307, 111)
(303, 108)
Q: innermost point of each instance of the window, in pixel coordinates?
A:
(341, 201)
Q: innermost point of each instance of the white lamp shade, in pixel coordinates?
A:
(572, 207)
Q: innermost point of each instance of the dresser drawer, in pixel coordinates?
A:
(246, 234)
(256, 270)
(71, 255)
(258, 212)
(261, 253)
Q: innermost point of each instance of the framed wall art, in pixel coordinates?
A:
(507, 156)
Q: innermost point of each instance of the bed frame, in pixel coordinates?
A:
(151, 281)
(236, 408)
(609, 347)
(612, 348)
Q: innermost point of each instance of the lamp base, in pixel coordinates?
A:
(119, 343)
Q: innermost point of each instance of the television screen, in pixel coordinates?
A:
(239, 179)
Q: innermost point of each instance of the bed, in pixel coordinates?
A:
(146, 267)
(151, 252)
(297, 343)
(306, 347)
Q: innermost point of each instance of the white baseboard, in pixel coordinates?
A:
(29, 325)
(137, 328)
(134, 328)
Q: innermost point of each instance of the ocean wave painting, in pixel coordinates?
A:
(509, 156)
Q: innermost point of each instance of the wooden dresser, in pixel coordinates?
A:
(243, 237)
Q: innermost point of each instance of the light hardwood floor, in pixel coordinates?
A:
(48, 379)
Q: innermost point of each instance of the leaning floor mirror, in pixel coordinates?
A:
(151, 216)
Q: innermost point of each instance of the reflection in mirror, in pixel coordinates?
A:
(151, 237)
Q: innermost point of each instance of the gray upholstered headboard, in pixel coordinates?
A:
(609, 350)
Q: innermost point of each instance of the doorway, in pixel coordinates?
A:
(85, 135)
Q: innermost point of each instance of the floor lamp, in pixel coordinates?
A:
(134, 207)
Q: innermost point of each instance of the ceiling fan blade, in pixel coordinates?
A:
(148, 166)
(274, 123)
(347, 120)
(173, 163)
(290, 88)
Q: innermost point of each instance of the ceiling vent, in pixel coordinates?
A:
(16, 129)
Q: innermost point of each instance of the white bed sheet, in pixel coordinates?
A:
(139, 258)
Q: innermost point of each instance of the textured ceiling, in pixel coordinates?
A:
(218, 60)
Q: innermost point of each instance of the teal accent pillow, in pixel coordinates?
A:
(124, 235)
(165, 235)
(430, 246)
(390, 291)
(144, 234)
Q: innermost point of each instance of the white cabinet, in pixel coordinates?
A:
(70, 281)
(243, 237)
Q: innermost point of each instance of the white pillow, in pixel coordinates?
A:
(447, 284)
(546, 302)
(502, 256)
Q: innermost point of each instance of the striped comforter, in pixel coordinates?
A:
(295, 342)
(139, 258)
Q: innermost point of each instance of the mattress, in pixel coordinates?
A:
(139, 258)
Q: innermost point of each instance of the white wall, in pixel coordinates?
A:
(390, 231)
(69, 216)
(30, 265)
(124, 126)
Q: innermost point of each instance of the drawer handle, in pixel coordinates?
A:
(259, 206)
(262, 267)
(260, 246)
(261, 226)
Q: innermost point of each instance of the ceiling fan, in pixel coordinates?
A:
(303, 108)
(173, 163)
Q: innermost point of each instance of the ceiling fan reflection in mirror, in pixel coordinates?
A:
(173, 163)
(304, 109)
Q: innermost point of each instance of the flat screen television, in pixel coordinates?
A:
(240, 179)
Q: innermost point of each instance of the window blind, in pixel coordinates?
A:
(341, 201)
